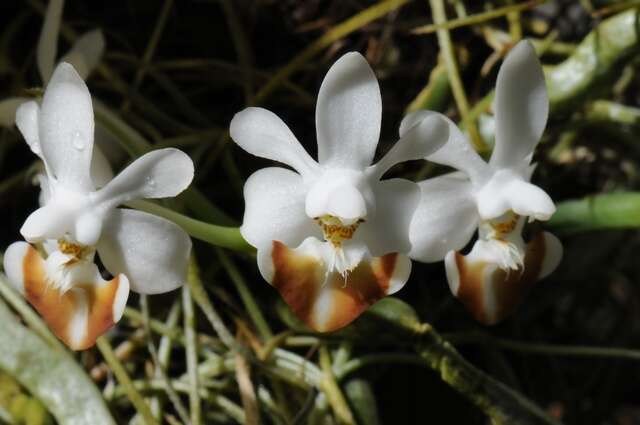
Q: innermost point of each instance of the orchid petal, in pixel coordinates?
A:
(274, 209)
(491, 293)
(457, 152)
(66, 129)
(157, 174)
(327, 302)
(445, 219)
(48, 42)
(101, 171)
(86, 52)
(348, 114)
(417, 142)
(8, 109)
(552, 254)
(151, 251)
(508, 191)
(521, 106)
(388, 230)
(77, 316)
(46, 222)
(26, 118)
(261, 133)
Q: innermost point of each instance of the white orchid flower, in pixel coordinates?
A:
(146, 253)
(331, 236)
(494, 198)
(84, 55)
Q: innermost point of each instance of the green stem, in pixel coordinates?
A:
(118, 369)
(444, 40)
(221, 236)
(191, 354)
(606, 211)
(202, 299)
(477, 18)
(545, 349)
(331, 388)
(328, 38)
(247, 297)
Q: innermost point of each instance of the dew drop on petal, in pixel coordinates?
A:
(78, 141)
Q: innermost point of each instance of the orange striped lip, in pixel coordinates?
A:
(489, 293)
(77, 316)
(327, 301)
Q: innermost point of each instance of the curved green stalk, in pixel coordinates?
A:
(221, 236)
(607, 211)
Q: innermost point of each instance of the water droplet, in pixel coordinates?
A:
(78, 141)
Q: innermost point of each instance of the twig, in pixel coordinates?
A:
(477, 18)
(192, 355)
(118, 369)
(444, 39)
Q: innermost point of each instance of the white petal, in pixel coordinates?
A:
(445, 219)
(157, 174)
(424, 137)
(8, 108)
(45, 223)
(275, 209)
(151, 251)
(66, 128)
(388, 230)
(521, 106)
(261, 133)
(86, 52)
(508, 191)
(13, 264)
(48, 42)
(348, 114)
(101, 171)
(457, 152)
(552, 255)
(26, 117)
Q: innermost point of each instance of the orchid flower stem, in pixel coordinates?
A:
(118, 369)
(331, 388)
(606, 211)
(444, 39)
(201, 298)
(478, 18)
(544, 349)
(192, 355)
(18, 303)
(247, 297)
(220, 236)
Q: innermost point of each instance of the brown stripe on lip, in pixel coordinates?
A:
(59, 309)
(479, 280)
(329, 306)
